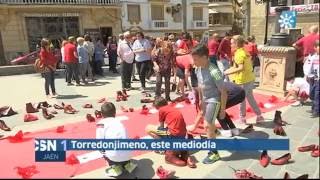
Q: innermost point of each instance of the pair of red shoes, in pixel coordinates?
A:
(265, 159)
(315, 150)
(179, 158)
(244, 174)
(47, 115)
(122, 96)
(68, 109)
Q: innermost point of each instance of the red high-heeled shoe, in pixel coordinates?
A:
(3, 126)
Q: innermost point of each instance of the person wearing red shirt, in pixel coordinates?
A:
(308, 41)
(224, 51)
(251, 48)
(184, 62)
(71, 61)
(175, 129)
(213, 46)
(50, 62)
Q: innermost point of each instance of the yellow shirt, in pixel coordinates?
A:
(246, 75)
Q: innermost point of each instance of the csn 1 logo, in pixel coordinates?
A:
(45, 145)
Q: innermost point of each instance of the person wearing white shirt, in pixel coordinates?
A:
(126, 56)
(299, 89)
(142, 49)
(111, 128)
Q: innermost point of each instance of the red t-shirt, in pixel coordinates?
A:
(251, 48)
(184, 61)
(213, 46)
(307, 43)
(69, 50)
(183, 45)
(47, 58)
(225, 49)
(174, 120)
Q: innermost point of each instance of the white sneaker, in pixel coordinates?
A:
(235, 132)
(114, 171)
(296, 104)
(226, 133)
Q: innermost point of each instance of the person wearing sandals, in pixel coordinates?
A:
(111, 128)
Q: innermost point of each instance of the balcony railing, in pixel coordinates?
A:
(199, 24)
(160, 24)
(58, 2)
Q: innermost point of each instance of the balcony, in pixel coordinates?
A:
(61, 2)
(220, 3)
(200, 24)
(159, 24)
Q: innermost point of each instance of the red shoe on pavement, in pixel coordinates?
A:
(278, 130)
(123, 109)
(164, 174)
(98, 114)
(87, 106)
(124, 93)
(68, 109)
(131, 109)
(3, 126)
(30, 108)
(144, 110)
(56, 106)
(90, 118)
(60, 129)
(101, 100)
(315, 152)
(47, 115)
(171, 157)
(264, 159)
(286, 175)
(30, 117)
(244, 174)
(307, 148)
(273, 99)
(248, 129)
(282, 160)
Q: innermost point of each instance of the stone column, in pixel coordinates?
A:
(277, 64)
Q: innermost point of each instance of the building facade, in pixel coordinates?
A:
(160, 17)
(307, 15)
(225, 16)
(23, 23)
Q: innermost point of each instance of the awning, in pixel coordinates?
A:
(221, 10)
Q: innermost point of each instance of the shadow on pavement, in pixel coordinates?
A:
(144, 170)
(266, 124)
(71, 96)
(255, 135)
(242, 155)
(96, 83)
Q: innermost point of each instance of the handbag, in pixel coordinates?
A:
(41, 68)
(256, 61)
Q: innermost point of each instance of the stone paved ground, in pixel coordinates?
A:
(19, 89)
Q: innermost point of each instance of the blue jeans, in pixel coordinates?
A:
(314, 96)
(49, 81)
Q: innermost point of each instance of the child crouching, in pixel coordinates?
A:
(175, 129)
(111, 128)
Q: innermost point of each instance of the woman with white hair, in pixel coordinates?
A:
(83, 56)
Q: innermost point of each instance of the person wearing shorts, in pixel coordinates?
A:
(175, 129)
(213, 94)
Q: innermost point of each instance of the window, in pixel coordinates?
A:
(214, 19)
(316, 1)
(279, 3)
(226, 18)
(220, 18)
(297, 2)
(157, 12)
(197, 14)
(133, 13)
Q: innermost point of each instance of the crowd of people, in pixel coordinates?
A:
(218, 73)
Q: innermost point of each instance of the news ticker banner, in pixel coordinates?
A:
(54, 150)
